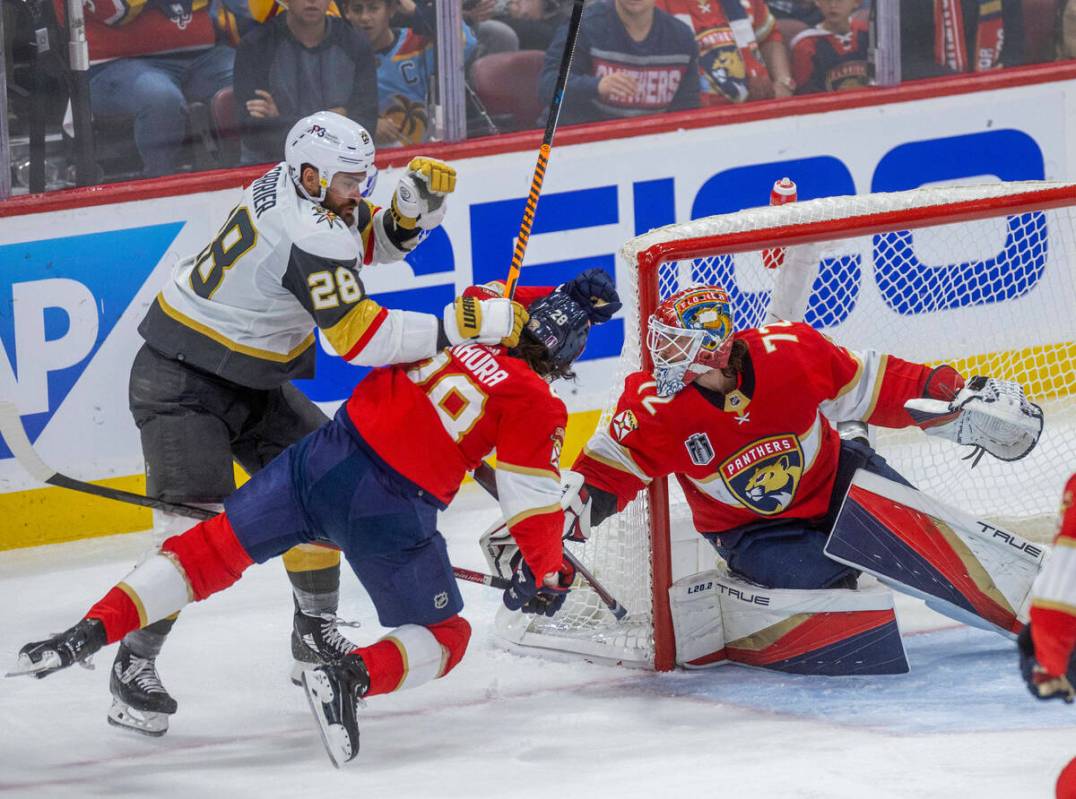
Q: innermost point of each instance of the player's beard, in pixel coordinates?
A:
(345, 210)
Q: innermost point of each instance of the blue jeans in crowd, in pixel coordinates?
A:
(153, 91)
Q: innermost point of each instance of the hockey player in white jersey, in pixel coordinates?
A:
(235, 324)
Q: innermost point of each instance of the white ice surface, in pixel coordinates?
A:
(960, 725)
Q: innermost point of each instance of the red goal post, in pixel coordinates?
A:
(983, 276)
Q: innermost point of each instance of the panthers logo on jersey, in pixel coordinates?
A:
(764, 475)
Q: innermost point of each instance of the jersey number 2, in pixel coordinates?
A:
(234, 240)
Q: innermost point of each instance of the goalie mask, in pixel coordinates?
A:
(689, 334)
(330, 143)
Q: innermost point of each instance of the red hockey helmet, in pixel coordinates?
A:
(689, 334)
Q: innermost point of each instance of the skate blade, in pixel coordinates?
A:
(24, 667)
(143, 722)
(315, 689)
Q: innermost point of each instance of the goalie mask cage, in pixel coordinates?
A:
(983, 277)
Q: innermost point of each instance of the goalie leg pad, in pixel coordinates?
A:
(965, 568)
(834, 632)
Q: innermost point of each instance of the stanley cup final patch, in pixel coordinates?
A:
(699, 448)
(765, 474)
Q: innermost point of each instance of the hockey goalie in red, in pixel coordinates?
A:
(746, 422)
(371, 482)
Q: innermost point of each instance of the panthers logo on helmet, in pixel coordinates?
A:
(765, 474)
(706, 309)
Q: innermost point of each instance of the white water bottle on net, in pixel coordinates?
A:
(979, 276)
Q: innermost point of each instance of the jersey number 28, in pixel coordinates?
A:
(235, 238)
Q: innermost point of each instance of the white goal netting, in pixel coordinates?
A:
(982, 277)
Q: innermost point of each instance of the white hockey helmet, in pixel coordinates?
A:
(330, 143)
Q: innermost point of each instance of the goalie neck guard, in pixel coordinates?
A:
(689, 334)
(330, 143)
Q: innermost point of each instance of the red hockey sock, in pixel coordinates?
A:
(210, 554)
(385, 663)
(117, 611)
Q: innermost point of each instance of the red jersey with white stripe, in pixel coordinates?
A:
(435, 420)
(765, 449)
(1053, 606)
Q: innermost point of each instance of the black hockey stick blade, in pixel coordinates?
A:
(486, 476)
(15, 436)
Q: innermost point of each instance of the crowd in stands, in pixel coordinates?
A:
(267, 63)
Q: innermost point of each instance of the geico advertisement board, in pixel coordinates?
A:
(75, 283)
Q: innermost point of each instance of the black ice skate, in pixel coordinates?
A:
(316, 641)
(76, 645)
(139, 701)
(334, 693)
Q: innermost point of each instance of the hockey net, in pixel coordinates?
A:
(983, 277)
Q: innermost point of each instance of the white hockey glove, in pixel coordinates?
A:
(988, 414)
(419, 200)
(495, 321)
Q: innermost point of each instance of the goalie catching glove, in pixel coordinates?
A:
(543, 597)
(495, 321)
(419, 200)
(988, 414)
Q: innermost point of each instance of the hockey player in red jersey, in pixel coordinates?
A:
(371, 483)
(1048, 642)
(742, 419)
(235, 323)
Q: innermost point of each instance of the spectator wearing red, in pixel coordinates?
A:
(832, 57)
(148, 59)
(945, 36)
(296, 64)
(630, 59)
(742, 55)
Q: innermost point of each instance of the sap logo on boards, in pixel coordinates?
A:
(59, 301)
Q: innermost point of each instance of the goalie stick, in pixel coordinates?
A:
(18, 442)
(486, 476)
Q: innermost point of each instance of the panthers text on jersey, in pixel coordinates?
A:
(765, 449)
(1053, 604)
(434, 421)
(246, 306)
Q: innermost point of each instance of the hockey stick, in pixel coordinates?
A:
(486, 476)
(15, 435)
(543, 152)
(18, 442)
